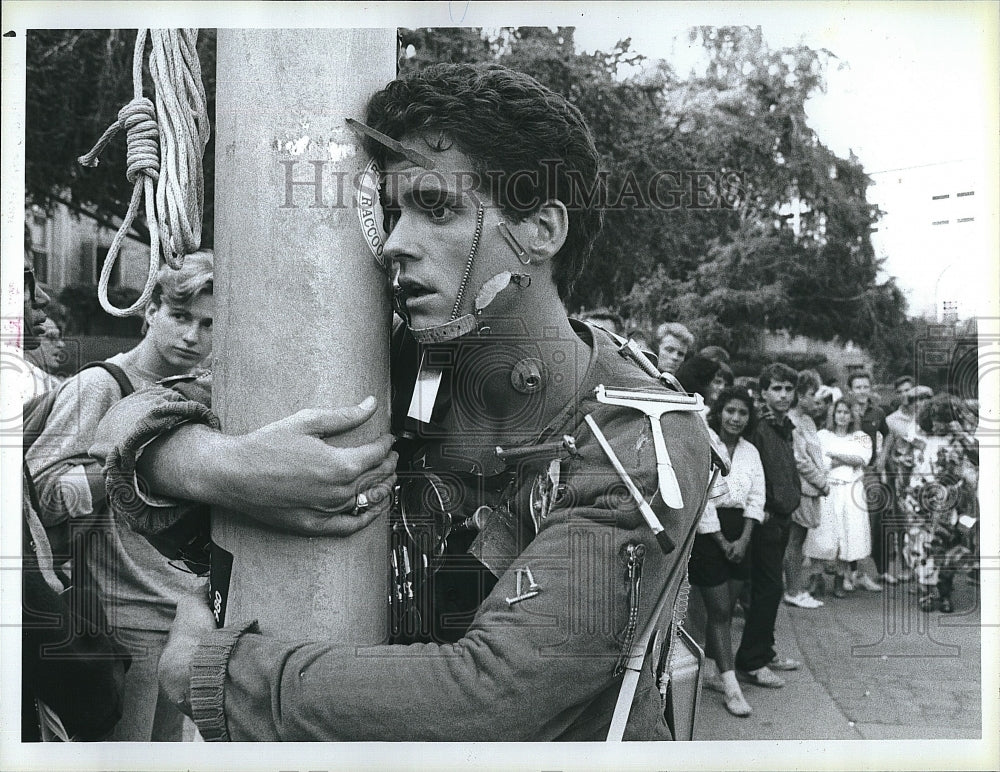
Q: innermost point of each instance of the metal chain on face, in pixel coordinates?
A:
(480, 215)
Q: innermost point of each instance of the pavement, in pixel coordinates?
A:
(873, 667)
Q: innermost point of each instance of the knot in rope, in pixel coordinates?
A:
(174, 206)
(142, 138)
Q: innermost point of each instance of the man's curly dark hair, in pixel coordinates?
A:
(505, 122)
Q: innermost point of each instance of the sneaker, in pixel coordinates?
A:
(786, 663)
(762, 676)
(737, 705)
(848, 583)
(802, 600)
(867, 583)
(714, 683)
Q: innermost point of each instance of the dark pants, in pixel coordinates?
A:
(767, 551)
(879, 500)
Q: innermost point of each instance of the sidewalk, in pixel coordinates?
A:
(874, 667)
(803, 708)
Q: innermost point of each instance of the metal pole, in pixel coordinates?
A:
(302, 310)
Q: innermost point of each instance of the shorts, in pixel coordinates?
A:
(708, 565)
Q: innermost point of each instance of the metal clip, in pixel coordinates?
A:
(513, 243)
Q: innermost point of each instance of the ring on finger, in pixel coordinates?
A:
(361, 503)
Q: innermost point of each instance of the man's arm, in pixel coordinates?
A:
(164, 452)
(284, 474)
(69, 482)
(808, 470)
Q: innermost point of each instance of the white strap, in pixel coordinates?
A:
(637, 654)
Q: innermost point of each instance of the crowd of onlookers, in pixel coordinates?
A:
(829, 492)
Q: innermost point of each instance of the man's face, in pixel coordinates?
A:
(672, 353)
(35, 301)
(432, 221)
(904, 390)
(778, 396)
(862, 389)
(807, 402)
(52, 344)
(182, 335)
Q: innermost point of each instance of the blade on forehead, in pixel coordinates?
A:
(410, 154)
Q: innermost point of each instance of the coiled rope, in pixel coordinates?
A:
(174, 212)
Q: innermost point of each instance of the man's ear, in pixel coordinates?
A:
(551, 226)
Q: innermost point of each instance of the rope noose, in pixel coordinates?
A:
(174, 210)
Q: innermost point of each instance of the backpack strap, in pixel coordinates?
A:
(115, 372)
(36, 411)
(640, 647)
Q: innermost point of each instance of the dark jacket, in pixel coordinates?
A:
(69, 661)
(872, 424)
(774, 441)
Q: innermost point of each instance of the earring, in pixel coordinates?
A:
(513, 243)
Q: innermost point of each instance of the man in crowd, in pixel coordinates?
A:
(675, 342)
(605, 319)
(481, 278)
(903, 386)
(756, 658)
(44, 361)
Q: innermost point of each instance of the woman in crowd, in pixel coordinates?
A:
(810, 462)
(719, 563)
(843, 534)
(700, 375)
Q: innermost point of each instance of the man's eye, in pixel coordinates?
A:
(438, 213)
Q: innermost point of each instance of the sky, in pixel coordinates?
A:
(912, 83)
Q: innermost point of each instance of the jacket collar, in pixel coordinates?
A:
(766, 414)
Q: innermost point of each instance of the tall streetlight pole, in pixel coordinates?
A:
(302, 308)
